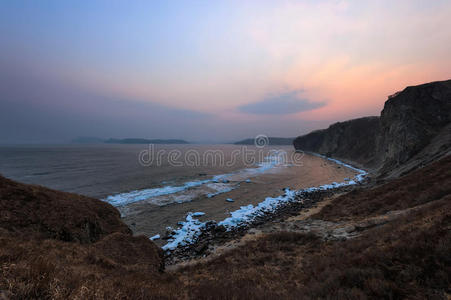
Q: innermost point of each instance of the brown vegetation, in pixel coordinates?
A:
(53, 214)
(405, 258)
(59, 245)
(422, 186)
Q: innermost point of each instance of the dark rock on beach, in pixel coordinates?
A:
(388, 238)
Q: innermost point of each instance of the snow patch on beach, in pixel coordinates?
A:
(248, 213)
(198, 214)
(192, 228)
(155, 237)
(186, 234)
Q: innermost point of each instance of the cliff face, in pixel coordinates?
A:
(351, 140)
(413, 129)
(411, 242)
(411, 120)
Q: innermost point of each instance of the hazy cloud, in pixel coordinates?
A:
(35, 108)
(38, 108)
(281, 104)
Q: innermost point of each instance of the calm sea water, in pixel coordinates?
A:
(157, 187)
(103, 170)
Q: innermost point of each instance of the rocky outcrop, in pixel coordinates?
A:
(414, 129)
(412, 119)
(353, 140)
(266, 140)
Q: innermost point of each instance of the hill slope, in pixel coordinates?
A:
(389, 240)
(53, 243)
(414, 126)
(389, 246)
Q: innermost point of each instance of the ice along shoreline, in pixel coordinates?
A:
(191, 228)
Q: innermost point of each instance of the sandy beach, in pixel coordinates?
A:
(148, 219)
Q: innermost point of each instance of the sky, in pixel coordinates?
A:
(209, 71)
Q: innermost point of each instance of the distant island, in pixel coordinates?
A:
(386, 237)
(271, 141)
(96, 140)
(87, 140)
(144, 141)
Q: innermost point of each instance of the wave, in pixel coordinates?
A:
(276, 158)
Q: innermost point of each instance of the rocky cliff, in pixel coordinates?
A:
(415, 126)
(353, 140)
(414, 129)
(390, 241)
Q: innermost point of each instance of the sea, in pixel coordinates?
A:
(157, 188)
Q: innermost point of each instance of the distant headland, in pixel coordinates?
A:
(144, 141)
(271, 141)
(95, 140)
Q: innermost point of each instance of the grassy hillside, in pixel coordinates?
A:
(405, 254)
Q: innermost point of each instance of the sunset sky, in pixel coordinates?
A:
(209, 71)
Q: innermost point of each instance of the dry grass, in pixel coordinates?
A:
(52, 214)
(407, 258)
(42, 269)
(422, 186)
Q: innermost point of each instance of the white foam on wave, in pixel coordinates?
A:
(219, 188)
(274, 159)
(271, 161)
(139, 195)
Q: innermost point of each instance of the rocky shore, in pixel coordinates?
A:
(214, 235)
(414, 129)
(388, 238)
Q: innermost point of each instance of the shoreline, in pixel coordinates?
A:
(146, 218)
(195, 239)
(222, 246)
(214, 236)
